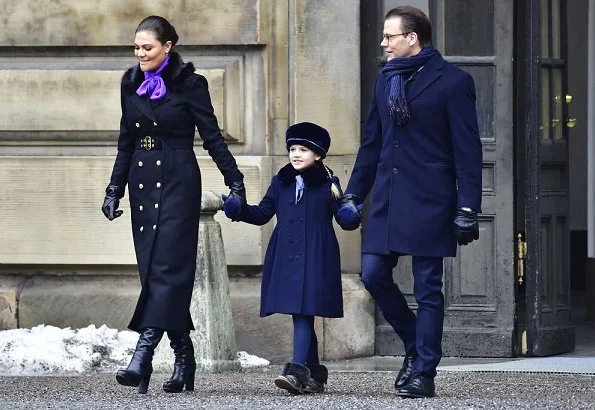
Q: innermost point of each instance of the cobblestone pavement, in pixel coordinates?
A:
(253, 389)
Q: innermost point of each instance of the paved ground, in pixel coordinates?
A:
(552, 364)
(253, 389)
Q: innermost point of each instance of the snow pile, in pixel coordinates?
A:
(248, 360)
(48, 349)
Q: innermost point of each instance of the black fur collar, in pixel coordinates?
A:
(177, 75)
(316, 175)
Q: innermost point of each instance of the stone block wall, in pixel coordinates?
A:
(269, 64)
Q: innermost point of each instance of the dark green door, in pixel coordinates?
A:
(544, 322)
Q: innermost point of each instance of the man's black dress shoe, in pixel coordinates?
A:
(418, 387)
(406, 370)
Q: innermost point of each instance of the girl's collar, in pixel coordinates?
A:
(316, 175)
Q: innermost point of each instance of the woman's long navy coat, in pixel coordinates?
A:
(157, 161)
(302, 268)
(423, 171)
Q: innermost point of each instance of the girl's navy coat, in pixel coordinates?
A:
(302, 271)
(156, 159)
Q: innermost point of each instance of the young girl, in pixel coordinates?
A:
(301, 273)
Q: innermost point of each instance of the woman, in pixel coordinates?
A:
(163, 100)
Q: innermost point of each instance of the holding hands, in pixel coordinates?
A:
(233, 204)
(232, 207)
(349, 213)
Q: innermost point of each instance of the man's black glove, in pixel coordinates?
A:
(113, 193)
(466, 226)
(349, 212)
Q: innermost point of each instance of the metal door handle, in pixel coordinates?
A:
(567, 98)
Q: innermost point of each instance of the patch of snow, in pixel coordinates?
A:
(248, 360)
(49, 349)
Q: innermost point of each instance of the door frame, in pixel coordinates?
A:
(531, 209)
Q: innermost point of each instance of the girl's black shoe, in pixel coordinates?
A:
(294, 378)
(317, 380)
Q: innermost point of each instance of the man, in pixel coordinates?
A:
(422, 152)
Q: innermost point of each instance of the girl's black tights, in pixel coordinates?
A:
(305, 343)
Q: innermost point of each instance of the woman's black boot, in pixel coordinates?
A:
(185, 364)
(140, 368)
(318, 378)
(294, 378)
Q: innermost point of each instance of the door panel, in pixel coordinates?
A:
(544, 298)
(479, 282)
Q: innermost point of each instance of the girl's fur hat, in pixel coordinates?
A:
(309, 135)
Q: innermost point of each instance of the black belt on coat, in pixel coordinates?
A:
(168, 146)
(149, 143)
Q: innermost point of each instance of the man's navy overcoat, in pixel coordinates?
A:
(164, 187)
(421, 172)
(302, 271)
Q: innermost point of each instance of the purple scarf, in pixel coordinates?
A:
(397, 71)
(154, 84)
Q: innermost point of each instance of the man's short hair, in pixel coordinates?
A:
(413, 20)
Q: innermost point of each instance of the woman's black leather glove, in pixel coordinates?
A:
(466, 226)
(238, 192)
(235, 202)
(113, 193)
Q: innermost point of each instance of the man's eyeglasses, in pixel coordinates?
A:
(388, 37)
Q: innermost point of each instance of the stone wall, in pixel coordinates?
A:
(269, 64)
